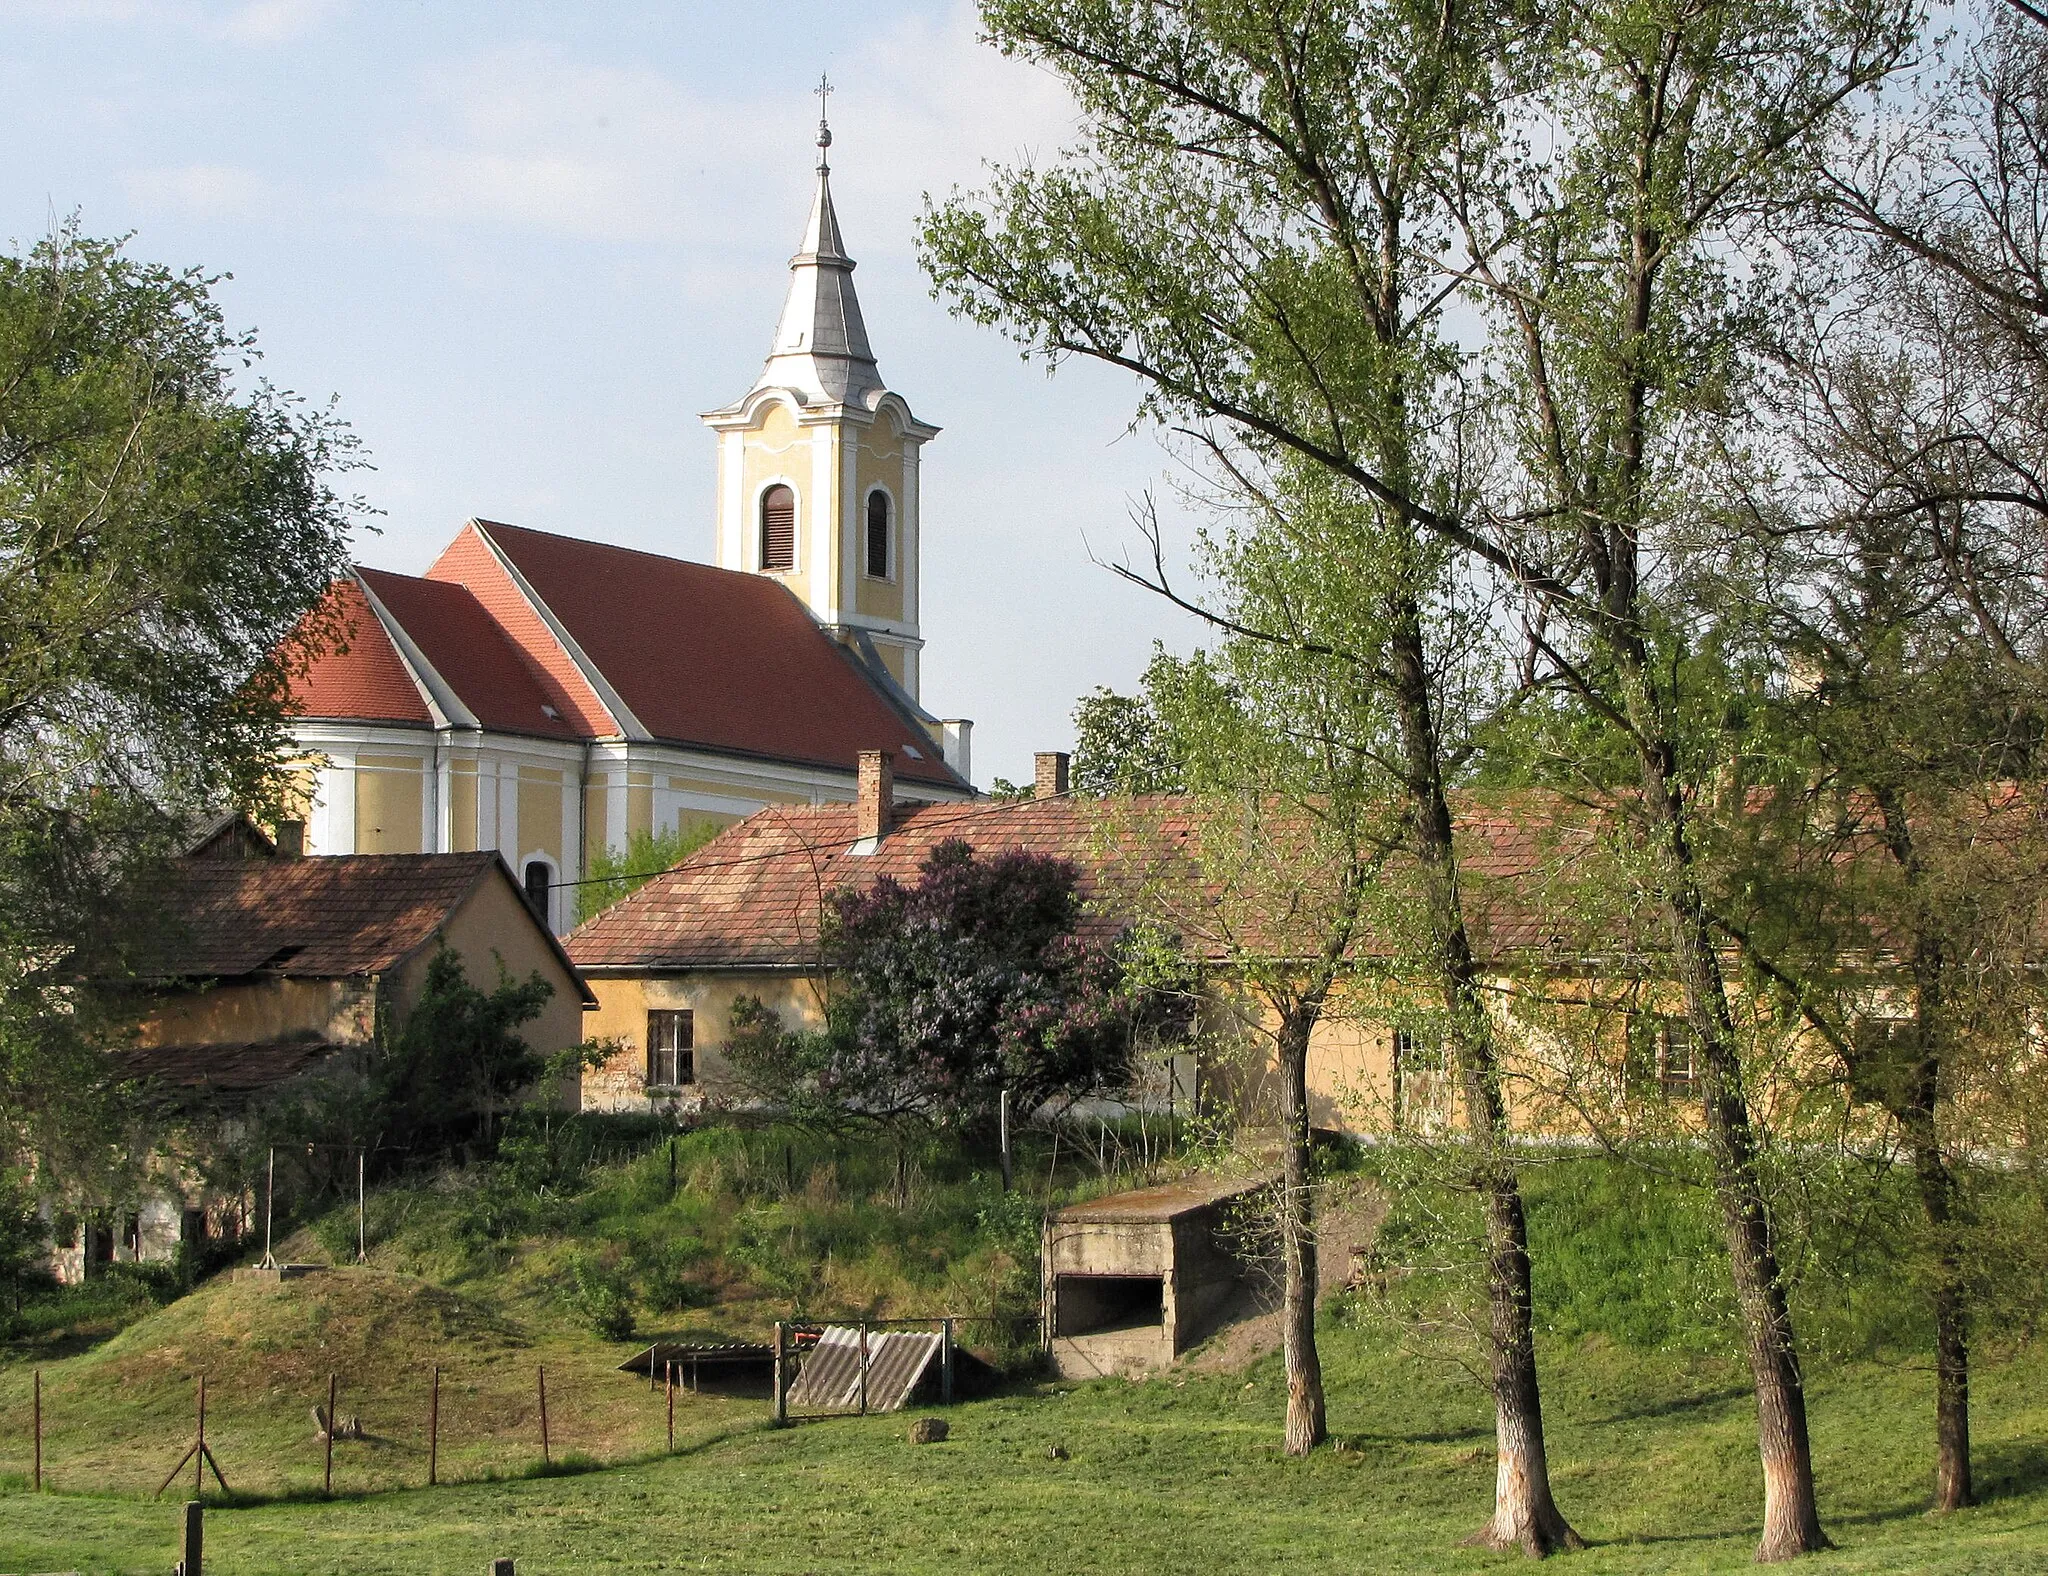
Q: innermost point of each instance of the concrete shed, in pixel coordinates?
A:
(1131, 1281)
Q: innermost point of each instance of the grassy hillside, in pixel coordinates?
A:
(548, 1257)
(1655, 1460)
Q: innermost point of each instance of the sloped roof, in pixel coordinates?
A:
(715, 658)
(469, 649)
(753, 896)
(366, 679)
(225, 1069)
(335, 917)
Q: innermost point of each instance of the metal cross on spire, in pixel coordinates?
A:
(823, 90)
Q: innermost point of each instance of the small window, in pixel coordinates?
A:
(1678, 1061)
(1422, 1083)
(878, 535)
(537, 883)
(671, 1061)
(778, 530)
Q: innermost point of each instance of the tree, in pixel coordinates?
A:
(457, 1060)
(1256, 227)
(647, 854)
(165, 537)
(946, 992)
(1117, 742)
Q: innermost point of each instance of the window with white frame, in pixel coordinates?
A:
(671, 1054)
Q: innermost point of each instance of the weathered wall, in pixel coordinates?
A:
(623, 1005)
(341, 1012)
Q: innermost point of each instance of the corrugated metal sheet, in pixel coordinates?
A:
(706, 1353)
(829, 1380)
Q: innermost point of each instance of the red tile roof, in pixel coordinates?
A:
(335, 917)
(224, 1069)
(752, 897)
(709, 657)
(367, 679)
(489, 673)
(469, 561)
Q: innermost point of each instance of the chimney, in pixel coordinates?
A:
(291, 839)
(1052, 773)
(876, 797)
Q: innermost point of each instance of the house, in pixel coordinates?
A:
(547, 697)
(740, 917)
(273, 970)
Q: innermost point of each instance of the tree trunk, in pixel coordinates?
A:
(1525, 1516)
(1791, 1513)
(1305, 1420)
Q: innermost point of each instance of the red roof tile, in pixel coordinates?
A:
(490, 674)
(367, 679)
(224, 1069)
(709, 657)
(469, 561)
(752, 897)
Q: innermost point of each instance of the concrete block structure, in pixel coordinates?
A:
(1131, 1281)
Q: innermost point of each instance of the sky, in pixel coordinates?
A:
(523, 245)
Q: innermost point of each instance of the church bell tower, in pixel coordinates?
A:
(818, 464)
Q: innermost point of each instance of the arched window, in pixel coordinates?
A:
(878, 534)
(537, 884)
(778, 530)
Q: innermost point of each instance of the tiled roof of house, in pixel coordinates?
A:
(224, 1069)
(367, 679)
(713, 657)
(335, 917)
(752, 897)
(487, 670)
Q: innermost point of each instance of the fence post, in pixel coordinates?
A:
(194, 1552)
(781, 1373)
(39, 1430)
(362, 1223)
(946, 1361)
(671, 1406)
(434, 1429)
(327, 1482)
(545, 1458)
(1005, 1110)
(199, 1449)
(863, 1368)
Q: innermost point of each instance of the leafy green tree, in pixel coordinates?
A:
(1119, 745)
(647, 854)
(457, 1062)
(166, 531)
(945, 992)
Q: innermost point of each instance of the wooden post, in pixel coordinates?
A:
(671, 1407)
(327, 1483)
(362, 1226)
(545, 1458)
(781, 1378)
(863, 1368)
(1003, 1107)
(199, 1449)
(434, 1429)
(269, 1203)
(946, 1361)
(501, 1568)
(39, 1430)
(195, 1539)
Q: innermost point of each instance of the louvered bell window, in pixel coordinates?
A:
(878, 535)
(778, 530)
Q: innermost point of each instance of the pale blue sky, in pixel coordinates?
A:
(525, 244)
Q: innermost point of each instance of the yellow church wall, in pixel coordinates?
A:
(390, 799)
(462, 833)
(621, 1017)
(639, 802)
(781, 451)
(892, 659)
(879, 463)
(596, 816)
(540, 813)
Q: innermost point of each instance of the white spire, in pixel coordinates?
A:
(821, 345)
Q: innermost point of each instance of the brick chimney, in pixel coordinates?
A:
(875, 800)
(1052, 773)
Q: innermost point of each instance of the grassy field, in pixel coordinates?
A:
(495, 1273)
(1654, 1459)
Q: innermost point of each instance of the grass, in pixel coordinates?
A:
(1654, 1457)
(493, 1273)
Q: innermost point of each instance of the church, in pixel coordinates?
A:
(549, 697)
